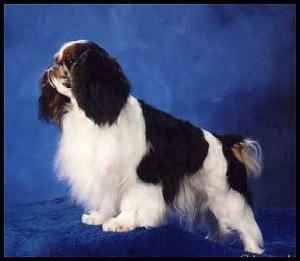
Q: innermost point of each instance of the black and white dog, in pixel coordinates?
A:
(128, 163)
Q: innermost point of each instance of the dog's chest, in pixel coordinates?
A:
(83, 138)
(88, 148)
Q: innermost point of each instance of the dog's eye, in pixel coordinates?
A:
(69, 62)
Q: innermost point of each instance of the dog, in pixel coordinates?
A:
(129, 164)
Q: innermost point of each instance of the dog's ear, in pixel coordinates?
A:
(99, 86)
(51, 103)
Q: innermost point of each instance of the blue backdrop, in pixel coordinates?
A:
(225, 68)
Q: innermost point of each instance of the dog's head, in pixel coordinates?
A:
(86, 74)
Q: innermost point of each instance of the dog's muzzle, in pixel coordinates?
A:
(56, 73)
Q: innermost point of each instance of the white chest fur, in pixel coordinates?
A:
(99, 162)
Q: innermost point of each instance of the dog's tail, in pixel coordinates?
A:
(245, 150)
(249, 153)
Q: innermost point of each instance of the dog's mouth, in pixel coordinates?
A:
(51, 76)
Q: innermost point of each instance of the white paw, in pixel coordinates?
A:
(254, 249)
(117, 225)
(92, 219)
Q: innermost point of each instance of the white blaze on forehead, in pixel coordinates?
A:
(59, 54)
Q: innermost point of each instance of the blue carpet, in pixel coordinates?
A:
(53, 228)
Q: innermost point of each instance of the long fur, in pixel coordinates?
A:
(128, 163)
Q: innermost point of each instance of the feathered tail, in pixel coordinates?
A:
(249, 152)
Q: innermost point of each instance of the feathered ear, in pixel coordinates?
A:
(51, 103)
(99, 86)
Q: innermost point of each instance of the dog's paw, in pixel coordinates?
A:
(92, 219)
(253, 248)
(118, 225)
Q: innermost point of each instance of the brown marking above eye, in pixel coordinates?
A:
(70, 52)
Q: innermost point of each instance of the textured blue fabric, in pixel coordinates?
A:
(53, 228)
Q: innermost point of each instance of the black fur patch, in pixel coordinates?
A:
(236, 171)
(99, 85)
(177, 148)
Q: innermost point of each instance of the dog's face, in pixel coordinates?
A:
(70, 56)
(88, 75)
